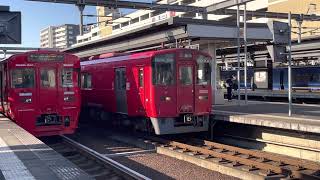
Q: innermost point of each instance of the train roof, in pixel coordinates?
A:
(127, 57)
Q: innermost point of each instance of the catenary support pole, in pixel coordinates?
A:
(238, 53)
(81, 8)
(245, 52)
(289, 68)
(299, 30)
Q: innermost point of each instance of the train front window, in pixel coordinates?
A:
(22, 78)
(163, 69)
(48, 78)
(67, 77)
(185, 75)
(203, 70)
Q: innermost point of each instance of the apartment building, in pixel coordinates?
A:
(62, 36)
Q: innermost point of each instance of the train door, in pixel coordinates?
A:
(185, 88)
(48, 89)
(121, 90)
(141, 88)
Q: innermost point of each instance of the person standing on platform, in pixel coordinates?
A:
(229, 85)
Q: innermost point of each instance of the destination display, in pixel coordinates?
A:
(45, 57)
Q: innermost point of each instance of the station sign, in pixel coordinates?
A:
(10, 26)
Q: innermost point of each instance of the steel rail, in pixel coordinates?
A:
(254, 160)
(277, 158)
(229, 157)
(106, 160)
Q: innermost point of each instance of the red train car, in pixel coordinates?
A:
(40, 91)
(170, 88)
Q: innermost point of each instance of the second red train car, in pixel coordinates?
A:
(167, 90)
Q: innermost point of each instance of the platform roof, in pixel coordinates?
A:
(168, 31)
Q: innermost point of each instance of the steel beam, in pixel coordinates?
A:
(130, 5)
(275, 15)
(225, 4)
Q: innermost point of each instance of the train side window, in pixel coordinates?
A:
(141, 77)
(22, 78)
(86, 80)
(67, 77)
(163, 69)
(48, 78)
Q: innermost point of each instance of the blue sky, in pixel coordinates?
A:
(38, 15)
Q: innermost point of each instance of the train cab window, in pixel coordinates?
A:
(48, 78)
(66, 77)
(185, 75)
(163, 69)
(86, 80)
(140, 77)
(22, 78)
(203, 70)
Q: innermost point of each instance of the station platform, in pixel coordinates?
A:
(305, 117)
(23, 156)
(296, 94)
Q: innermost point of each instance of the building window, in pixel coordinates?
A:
(135, 20)
(116, 27)
(70, 27)
(144, 17)
(124, 24)
(70, 32)
(94, 34)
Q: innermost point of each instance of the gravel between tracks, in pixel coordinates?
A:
(157, 166)
(152, 165)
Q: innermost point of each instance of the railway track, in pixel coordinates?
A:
(95, 164)
(261, 163)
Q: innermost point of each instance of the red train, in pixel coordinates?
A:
(40, 91)
(165, 91)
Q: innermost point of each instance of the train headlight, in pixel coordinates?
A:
(168, 98)
(68, 98)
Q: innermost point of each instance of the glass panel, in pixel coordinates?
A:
(86, 81)
(48, 78)
(123, 80)
(141, 77)
(203, 70)
(185, 75)
(163, 69)
(66, 77)
(22, 78)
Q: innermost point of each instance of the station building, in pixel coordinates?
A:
(115, 24)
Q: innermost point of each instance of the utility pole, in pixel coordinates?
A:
(81, 8)
(289, 68)
(245, 52)
(299, 22)
(238, 52)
